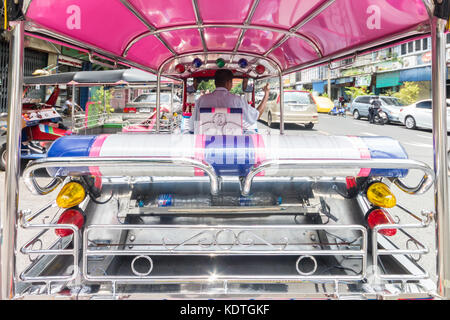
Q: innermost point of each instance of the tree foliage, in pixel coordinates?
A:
(356, 92)
(409, 93)
(207, 85)
(237, 89)
(100, 96)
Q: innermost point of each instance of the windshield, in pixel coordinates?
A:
(298, 97)
(151, 98)
(392, 102)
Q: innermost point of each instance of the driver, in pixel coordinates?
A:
(222, 98)
(68, 105)
(375, 104)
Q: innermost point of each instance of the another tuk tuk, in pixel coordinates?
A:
(229, 214)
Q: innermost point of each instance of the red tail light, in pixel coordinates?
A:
(70, 216)
(379, 216)
(351, 183)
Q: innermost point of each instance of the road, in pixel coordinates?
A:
(418, 144)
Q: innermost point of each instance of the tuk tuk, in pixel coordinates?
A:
(96, 116)
(231, 214)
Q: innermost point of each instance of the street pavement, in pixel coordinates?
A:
(418, 144)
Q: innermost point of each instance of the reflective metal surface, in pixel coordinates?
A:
(10, 205)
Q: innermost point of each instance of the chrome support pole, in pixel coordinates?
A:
(10, 205)
(73, 108)
(439, 67)
(281, 104)
(158, 102)
(329, 81)
(104, 99)
(171, 97)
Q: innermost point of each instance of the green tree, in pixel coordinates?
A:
(237, 89)
(356, 92)
(100, 95)
(207, 85)
(408, 93)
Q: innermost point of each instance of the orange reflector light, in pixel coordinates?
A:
(71, 195)
(379, 216)
(71, 216)
(380, 195)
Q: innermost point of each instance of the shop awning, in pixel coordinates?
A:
(388, 79)
(319, 86)
(363, 81)
(345, 80)
(416, 74)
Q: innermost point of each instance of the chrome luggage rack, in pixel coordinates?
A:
(222, 240)
(214, 241)
(219, 240)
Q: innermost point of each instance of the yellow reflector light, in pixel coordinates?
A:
(71, 195)
(379, 194)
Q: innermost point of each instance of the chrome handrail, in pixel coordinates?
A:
(216, 248)
(71, 162)
(325, 165)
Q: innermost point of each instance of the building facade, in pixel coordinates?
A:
(380, 71)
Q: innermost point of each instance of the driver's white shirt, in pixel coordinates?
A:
(222, 98)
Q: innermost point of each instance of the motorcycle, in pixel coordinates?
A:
(337, 111)
(380, 117)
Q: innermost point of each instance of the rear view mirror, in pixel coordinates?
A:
(3, 116)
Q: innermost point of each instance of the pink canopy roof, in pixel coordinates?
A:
(284, 35)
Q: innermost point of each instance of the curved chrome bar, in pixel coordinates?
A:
(323, 167)
(410, 190)
(72, 162)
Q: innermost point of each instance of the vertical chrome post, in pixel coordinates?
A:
(104, 99)
(439, 67)
(73, 108)
(281, 104)
(171, 98)
(10, 205)
(329, 82)
(158, 102)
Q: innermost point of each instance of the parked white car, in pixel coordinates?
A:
(146, 103)
(420, 115)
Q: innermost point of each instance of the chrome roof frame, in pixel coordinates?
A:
(33, 27)
(243, 27)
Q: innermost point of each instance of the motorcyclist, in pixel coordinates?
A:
(375, 104)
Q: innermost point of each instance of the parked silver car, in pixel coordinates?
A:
(146, 103)
(300, 108)
(360, 107)
(420, 115)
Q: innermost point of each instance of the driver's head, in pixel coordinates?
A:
(224, 78)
